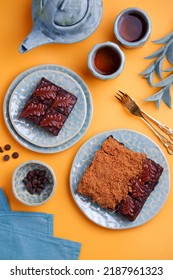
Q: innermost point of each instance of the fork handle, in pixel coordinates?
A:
(163, 139)
(163, 127)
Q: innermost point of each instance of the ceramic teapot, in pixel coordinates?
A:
(62, 21)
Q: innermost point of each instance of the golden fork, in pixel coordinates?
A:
(134, 109)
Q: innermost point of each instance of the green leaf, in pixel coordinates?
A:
(165, 82)
(156, 54)
(164, 39)
(167, 97)
(169, 53)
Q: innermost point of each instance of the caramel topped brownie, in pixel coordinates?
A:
(45, 92)
(53, 121)
(34, 111)
(64, 102)
(119, 179)
(49, 106)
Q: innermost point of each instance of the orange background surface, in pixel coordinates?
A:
(153, 240)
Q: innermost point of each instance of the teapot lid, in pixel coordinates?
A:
(62, 21)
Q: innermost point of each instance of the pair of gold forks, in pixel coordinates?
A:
(134, 109)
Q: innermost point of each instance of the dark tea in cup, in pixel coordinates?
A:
(106, 60)
(132, 27)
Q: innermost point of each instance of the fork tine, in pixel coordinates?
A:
(121, 92)
(118, 94)
(118, 97)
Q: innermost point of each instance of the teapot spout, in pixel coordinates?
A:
(34, 39)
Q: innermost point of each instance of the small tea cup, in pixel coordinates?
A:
(106, 60)
(132, 27)
(20, 191)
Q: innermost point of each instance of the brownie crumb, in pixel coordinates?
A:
(1, 150)
(15, 155)
(7, 147)
(6, 157)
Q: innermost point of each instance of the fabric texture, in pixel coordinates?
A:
(21, 245)
(39, 222)
(4, 206)
(29, 236)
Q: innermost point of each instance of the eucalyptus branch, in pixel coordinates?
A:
(156, 67)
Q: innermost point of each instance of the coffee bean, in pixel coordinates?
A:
(15, 155)
(7, 147)
(6, 157)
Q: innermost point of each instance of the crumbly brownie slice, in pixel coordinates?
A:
(108, 178)
(34, 111)
(64, 102)
(120, 179)
(53, 121)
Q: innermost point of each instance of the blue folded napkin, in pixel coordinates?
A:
(3, 202)
(39, 222)
(22, 245)
(27, 236)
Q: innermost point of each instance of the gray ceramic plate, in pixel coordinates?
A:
(32, 132)
(68, 144)
(136, 142)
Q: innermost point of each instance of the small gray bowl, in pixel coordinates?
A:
(146, 24)
(19, 189)
(91, 57)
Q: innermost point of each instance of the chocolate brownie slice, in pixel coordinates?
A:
(64, 102)
(141, 189)
(53, 121)
(49, 106)
(108, 178)
(34, 110)
(119, 179)
(45, 92)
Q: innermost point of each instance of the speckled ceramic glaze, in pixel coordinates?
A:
(32, 132)
(66, 145)
(92, 67)
(19, 189)
(62, 21)
(136, 142)
(145, 37)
